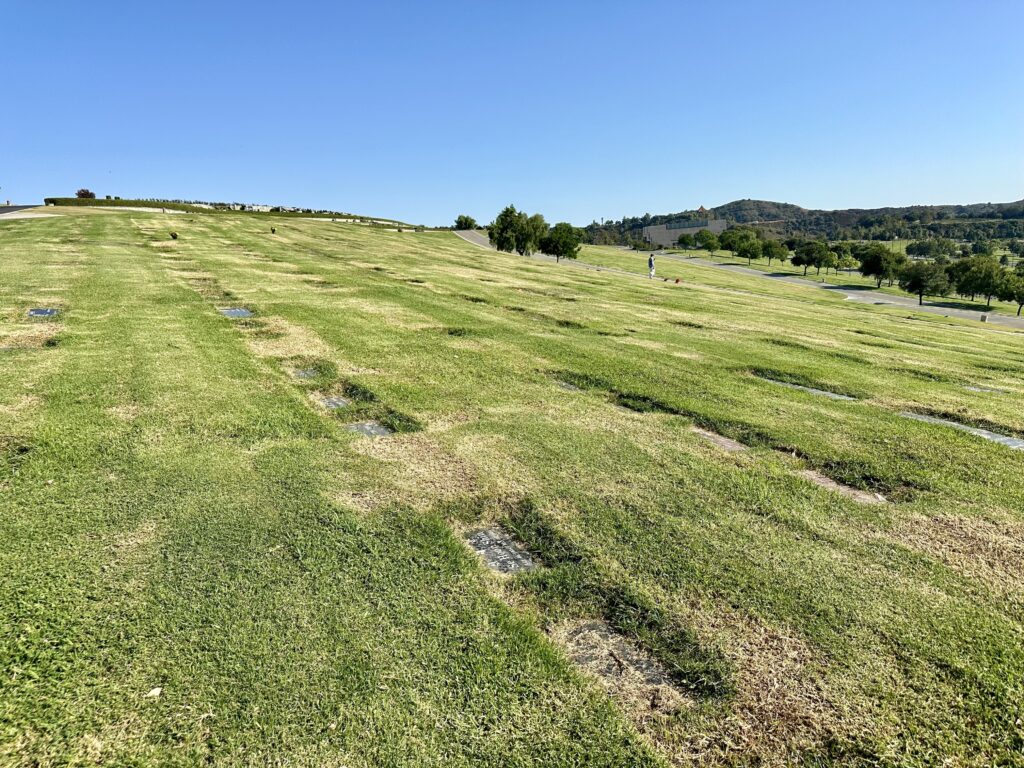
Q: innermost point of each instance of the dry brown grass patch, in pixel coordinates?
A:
(992, 552)
(281, 339)
(781, 708)
(31, 337)
(419, 470)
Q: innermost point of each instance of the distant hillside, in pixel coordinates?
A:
(964, 222)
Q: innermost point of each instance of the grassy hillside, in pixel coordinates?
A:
(199, 562)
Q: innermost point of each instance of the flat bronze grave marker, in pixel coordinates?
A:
(334, 402)
(1014, 443)
(43, 312)
(369, 429)
(235, 312)
(499, 551)
(810, 390)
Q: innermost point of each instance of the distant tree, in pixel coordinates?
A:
(465, 222)
(85, 194)
(530, 232)
(847, 262)
(562, 242)
(734, 237)
(881, 263)
(503, 233)
(748, 248)
(686, 240)
(773, 249)
(1004, 260)
(829, 260)
(924, 277)
(811, 253)
(982, 278)
(1016, 247)
(707, 240)
(983, 248)
(1012, 289)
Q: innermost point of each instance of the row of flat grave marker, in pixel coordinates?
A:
(1014, 443)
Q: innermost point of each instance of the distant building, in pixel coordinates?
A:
(665, 235)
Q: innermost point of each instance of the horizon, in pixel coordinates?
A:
(828, 109)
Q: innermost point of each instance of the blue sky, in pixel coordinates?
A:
(579, 110)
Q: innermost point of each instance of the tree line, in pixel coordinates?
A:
(942, 266)
(516, 231)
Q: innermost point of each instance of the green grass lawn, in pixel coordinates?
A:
(178, 512)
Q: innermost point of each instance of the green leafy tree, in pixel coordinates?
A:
(85, 194)
(880, 263)
(529, 233)
(686, 240)
(1012, 289)
(707, 240)
(503, 233)
(562, 242)
(465, 222)
(847, 262)
(924, 277)
(982, 278)
(1016, 247)
(829, 260)
(748, 248)
(774, 249)
(811, 253)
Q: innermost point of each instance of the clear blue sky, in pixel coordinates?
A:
(579, 110)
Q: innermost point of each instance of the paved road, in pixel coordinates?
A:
(863, 296)
(20, 212)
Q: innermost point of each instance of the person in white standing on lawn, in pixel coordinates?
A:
(650, 266)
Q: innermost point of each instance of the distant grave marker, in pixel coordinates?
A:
(369, 429)
(864, 497)
(499, 551)
(305, 373)
(334, 402)
(973, 388)
(1014, 443)
(811, 390)
(43, 312)
(568, 387)
(723, 442)
(235, 312)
